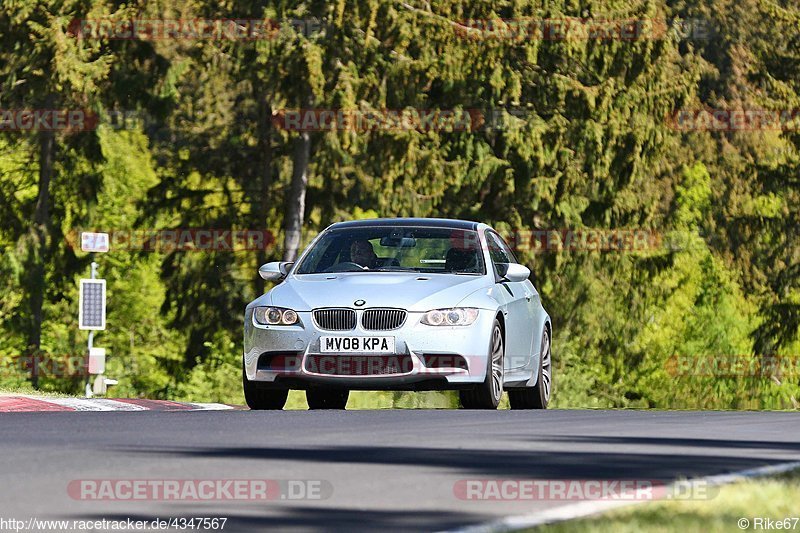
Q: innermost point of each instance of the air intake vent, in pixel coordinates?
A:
(358, 365)
(335, 319)
(383, 319)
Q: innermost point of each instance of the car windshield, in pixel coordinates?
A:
(395, 249)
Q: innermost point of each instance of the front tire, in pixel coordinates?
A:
(538, 396)
(487, 395)
(261, 398)
(320, 398)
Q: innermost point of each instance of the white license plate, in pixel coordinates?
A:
(330, 344)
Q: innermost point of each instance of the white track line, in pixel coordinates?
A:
(589, 508)
(211, 406)
(103, 404)
(95, 404)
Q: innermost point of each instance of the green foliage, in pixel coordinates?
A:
(578, 140)
(716, 512)
(693, 197)
(218, 377)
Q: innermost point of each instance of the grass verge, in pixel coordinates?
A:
(756, 501)
(12, 391)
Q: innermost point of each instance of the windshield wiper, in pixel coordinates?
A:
(392, 269)
(337, 269)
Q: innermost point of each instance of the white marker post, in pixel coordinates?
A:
(92, 301)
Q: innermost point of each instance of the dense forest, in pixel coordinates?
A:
(551, 120)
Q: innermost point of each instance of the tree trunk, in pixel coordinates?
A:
(296, 201)
(261, 203)
(39, 252)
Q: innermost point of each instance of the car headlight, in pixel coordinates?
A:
(455, 316)
(275, 316)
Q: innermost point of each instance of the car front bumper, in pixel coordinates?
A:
(425, 357)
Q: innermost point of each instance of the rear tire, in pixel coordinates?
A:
(320, 398)
(259, 398)
(538, 396)
(487, 395)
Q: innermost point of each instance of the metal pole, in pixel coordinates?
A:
(35, 371)
(90, 344)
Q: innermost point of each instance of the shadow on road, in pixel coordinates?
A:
(681, 442)
(514, 464)
(323, 519)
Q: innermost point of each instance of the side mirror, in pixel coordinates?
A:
(275, 270)
(285, 267)
(516, 272)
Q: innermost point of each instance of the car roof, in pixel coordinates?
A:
(420, 222)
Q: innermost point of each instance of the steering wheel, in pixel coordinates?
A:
(338, 267)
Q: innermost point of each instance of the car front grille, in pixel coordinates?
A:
(358, 365)
(335, 319)
(383, 319)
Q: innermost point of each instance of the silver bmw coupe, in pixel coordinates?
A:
(399, 304)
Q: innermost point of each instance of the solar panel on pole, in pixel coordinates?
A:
(92, 305)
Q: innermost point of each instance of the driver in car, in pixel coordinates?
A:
(362, 253)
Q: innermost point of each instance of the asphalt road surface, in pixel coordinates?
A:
(373, 470)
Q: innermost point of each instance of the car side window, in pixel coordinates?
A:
(498, 249)
(500, 253)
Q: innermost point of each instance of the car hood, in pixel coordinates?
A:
(411, 291)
